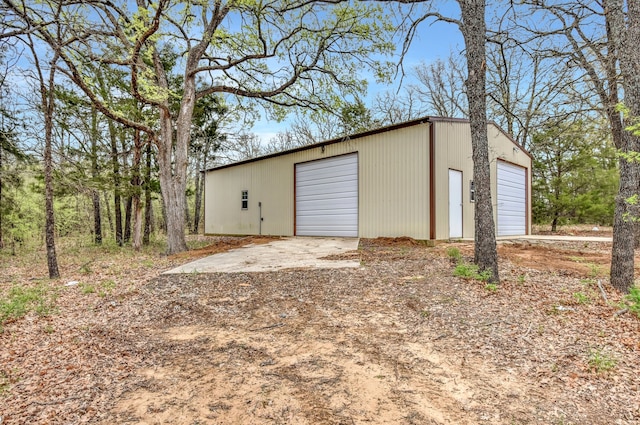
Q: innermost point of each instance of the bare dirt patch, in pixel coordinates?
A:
(575, 258)
(574, 230)
(580, 258)
(399, 340)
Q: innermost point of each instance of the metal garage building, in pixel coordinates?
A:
(411, 179)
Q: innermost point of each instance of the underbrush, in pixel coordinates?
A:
(95, 270)
(633, 300)
(71, 246)
(20, 300)
(81, 253)
(467, 270)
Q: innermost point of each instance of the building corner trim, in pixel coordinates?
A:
(432, 181)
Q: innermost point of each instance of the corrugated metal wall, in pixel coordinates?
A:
(453, 151)
(393, 183)
(393, 187)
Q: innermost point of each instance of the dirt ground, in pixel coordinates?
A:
(399, 340)
(576, 230)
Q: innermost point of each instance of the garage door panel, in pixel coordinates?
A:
(333, 185)
(511, 199)
(336, 161)
(316, 180)
(346, 233)
(329, 188)
(336, 220)
(321, 197)
(317, 209)
(324, 199)
(327, 197)
(512, 206)
(512, 184)
(347, 213)
(340, 167)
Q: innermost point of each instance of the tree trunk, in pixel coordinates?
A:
(106, 205)
(187, 219)
(97, 219)
(624, 38)
(48, 100)
(127, 219)
(174, 207)
(147, 197)
(136, 186)
(622, 252)
(473, 29)
(198, 202)
(137, 224)
(556, 197)
(637, 230)
(200, 187)
(117, 204)
(126, 171)
(163, 213)
(148, 222)
(172, 158)
(1, 238)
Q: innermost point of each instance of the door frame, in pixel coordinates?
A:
(460, 192)
(295, 187)
(526, 194)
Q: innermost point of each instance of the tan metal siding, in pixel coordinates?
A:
(454, 151)
(267, 182)
(394, 184)
(393, 187)
(393, 197)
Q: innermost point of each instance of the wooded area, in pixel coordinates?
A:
(110, 110)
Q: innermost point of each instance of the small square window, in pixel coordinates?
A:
(472, 191)
(245, 199)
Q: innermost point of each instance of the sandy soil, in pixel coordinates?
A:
(397, 341)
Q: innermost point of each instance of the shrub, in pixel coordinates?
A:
(470, 271)
(454, 253)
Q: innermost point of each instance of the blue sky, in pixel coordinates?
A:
(434, 40)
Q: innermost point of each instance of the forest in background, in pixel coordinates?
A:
(99, 169)
(545, 87)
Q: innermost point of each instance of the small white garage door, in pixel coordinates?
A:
(512, 199)
(327, 197)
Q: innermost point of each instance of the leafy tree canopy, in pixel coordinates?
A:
(575, 174)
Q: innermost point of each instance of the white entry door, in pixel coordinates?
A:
(455, 204)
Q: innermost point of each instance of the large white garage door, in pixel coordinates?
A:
(512, 200)
(327, 197)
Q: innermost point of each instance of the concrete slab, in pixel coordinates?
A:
(288, 253)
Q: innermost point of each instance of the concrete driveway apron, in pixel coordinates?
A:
(286, 253)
